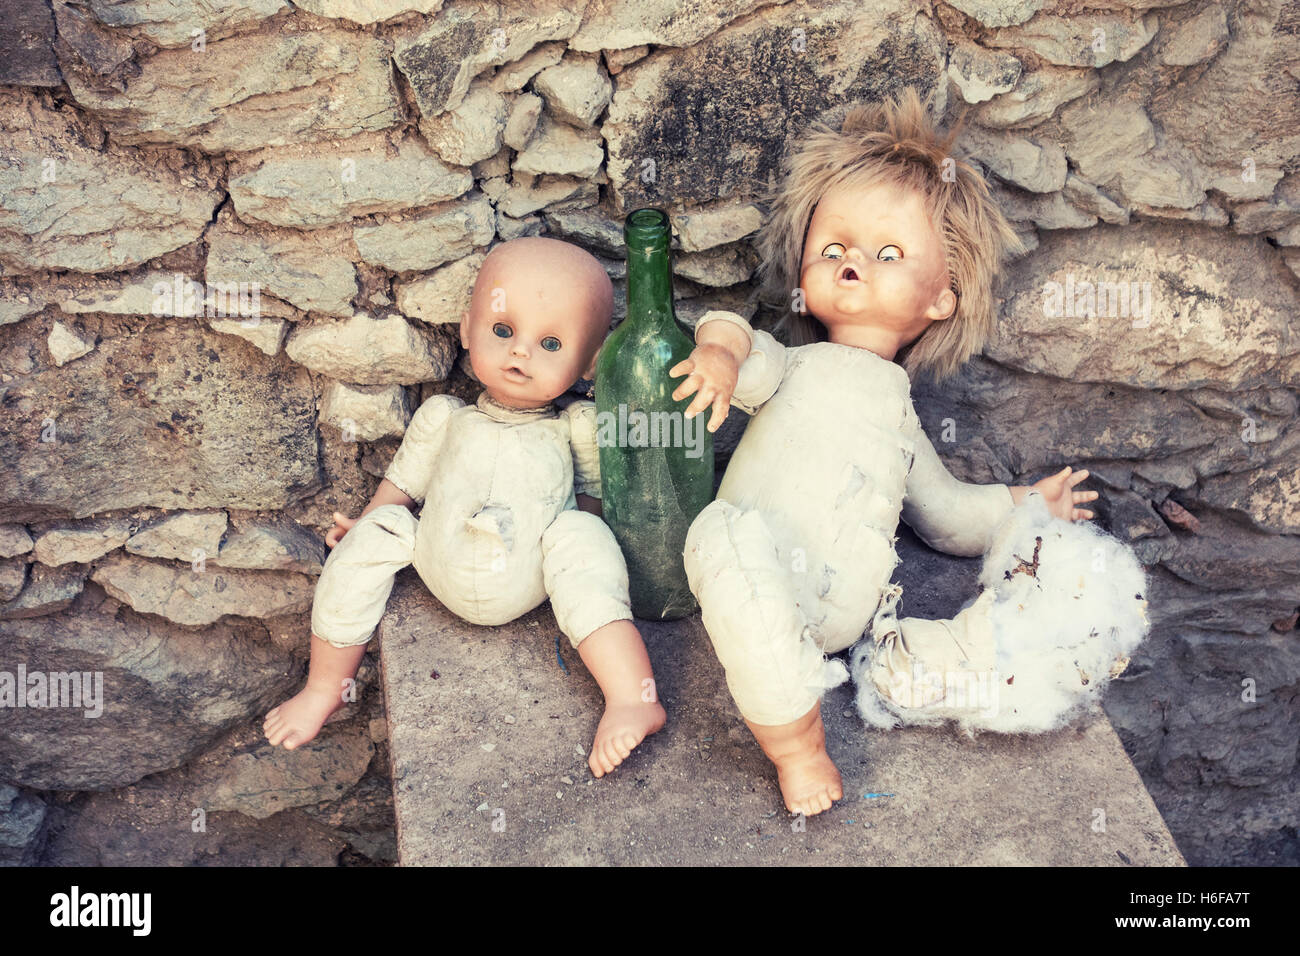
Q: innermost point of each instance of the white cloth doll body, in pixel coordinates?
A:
(794, 558)
(499, 530)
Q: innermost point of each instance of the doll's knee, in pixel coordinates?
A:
(579, 538)
(383, 527)
(710, 524)
(580, 556)
(724, 536)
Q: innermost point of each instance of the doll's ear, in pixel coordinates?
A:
(944, 306)
(464, 329)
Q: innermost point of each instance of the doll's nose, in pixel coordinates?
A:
(853, 259)
(519, 349)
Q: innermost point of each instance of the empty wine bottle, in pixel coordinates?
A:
(656, 467)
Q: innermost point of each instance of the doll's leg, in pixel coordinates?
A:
(1062, 610)
(926, 671)
(775, 671)
(586, 577)
(350, 598)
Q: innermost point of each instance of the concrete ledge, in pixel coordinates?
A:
(500, 735)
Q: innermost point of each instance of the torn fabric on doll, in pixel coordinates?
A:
(1062, 610)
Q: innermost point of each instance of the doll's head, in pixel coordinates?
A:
(539, 312)
(886, 240)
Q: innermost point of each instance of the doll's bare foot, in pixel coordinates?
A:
(616, 657)
(299, 719)
(621, 728)
(809, 781)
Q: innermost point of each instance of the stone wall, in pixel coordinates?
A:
(342, 166)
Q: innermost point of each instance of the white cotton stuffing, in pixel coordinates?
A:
(1069, 609)
(1061, 630)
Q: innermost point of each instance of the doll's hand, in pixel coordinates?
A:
(342, 525)
(1060, 499)
(711, 370)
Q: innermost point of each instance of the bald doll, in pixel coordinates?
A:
(508, 487)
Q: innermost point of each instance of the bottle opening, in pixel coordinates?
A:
(647, 231)
(648, 219)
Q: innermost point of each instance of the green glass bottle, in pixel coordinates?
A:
(656, 467)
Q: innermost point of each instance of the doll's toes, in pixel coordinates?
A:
(613, 753)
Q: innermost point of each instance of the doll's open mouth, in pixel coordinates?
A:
(514, 374)
(849, 274)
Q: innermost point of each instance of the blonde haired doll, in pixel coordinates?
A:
(885, 247)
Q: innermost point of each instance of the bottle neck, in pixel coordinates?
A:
(650, 287)
(647, 235)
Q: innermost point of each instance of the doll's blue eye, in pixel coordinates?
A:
(551, 343)
(889, 254)
(834, 245)
(502, 330)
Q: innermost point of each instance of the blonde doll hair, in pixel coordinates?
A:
(892, 143)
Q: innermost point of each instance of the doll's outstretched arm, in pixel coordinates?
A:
(952, 516)
(733, 364)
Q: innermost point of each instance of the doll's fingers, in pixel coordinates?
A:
(1078, 477)
(720, 408)
(702, 400)
(682, 367)
(1082, 513)
(691, 383)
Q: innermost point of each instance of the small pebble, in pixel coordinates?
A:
(559, 795)
(489, 747)
(567, 780)
(510, 718)
(579, 751)
(481, 807)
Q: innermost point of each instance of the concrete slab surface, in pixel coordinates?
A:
(489, 735)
